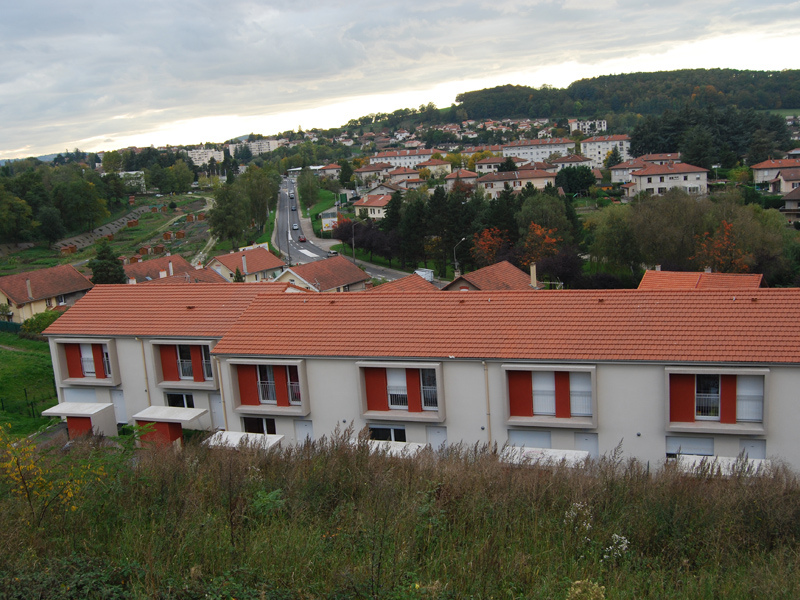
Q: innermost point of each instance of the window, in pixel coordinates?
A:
(750, 398)
(393, 388)
(396, 388)
(661, 179)
(686, 178)
(258, 425)
(106, 361)
(677, 445)
(706, 397)
(387, 434)
(662, 190)
(649, 180)
(61, 300)
(185, 370)
(180, 400)
(429, 396)
(207, 372)
(552, 394)
(266, 385)
(48, 302)
(294, 385)
(87, 360)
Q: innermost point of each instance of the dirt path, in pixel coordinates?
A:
(11, 348)
(200, 258)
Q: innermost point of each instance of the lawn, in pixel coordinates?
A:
(26, 382)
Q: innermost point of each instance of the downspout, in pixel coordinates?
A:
(488, 408)
(146, 376)
(222, 393)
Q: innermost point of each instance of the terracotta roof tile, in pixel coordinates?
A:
(666, 169)
(410, 283)
(201, 310)
(514, 175)
(258, 259)
(375, 200)
(681, 280)
(499, 276)
(607, 138)
(195, 276)
(694, 326)
(150, 269)
(461, 174)
(45, 283)
(777, 164)
(330, 273)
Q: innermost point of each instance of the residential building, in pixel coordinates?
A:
(462, 175)
(596, 148)
(659, 179)
(572, 160)
(331, 170)
(33, 292)
(202, 156)
(372, 205)
(401, 174)
(255, 264)
(402, 158)
(410, 284)
(438, 168)
(499, 276)
(767, 170)
(156, 268)
(791, 206)
(656, 373)
(588, 127)
(199, 275)
(494, 183)
(492, 164)
(336, 274)
(539, 149)
(785, 181)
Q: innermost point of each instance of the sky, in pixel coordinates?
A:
(102, 75)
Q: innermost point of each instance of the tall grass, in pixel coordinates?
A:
(332, 520)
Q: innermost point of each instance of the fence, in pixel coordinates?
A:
(28, 406)
(11, 327)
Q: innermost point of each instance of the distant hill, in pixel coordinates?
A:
(642, 93)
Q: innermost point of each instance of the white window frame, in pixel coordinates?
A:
(394, 432)
(186, 397)
(185, 367)
(428, 415)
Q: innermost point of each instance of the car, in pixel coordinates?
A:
(295, 226)
(291, 196)
(302, 238)
(294, 207)
(332, 253)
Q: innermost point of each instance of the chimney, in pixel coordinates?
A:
(368, 285)
(244, 265)
(169, 266)
(534, 283)
(28, 285)
(131, 280)
(707, 269)
(658, 267)
(162, 273)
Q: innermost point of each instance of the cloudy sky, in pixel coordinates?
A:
(101, 75)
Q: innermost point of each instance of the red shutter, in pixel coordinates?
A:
(248, 384)
(74, 366)
(99, 364)
(727, 399)
(197, 363)
(375, 383)
(169, 363)
(563, 410)
(281, 385)
(414, 390)
(78, 426)
(520, 393)
(681, 398)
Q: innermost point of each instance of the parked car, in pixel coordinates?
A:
(332, 253)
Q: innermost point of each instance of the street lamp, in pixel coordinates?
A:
(353, 238)
(455, 260)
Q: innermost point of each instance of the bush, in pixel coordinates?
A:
(38, 323)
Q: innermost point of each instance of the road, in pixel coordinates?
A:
(286, 238)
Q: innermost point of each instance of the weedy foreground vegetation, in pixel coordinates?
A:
(331, 520)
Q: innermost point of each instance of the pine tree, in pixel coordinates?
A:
(106, 267)
(238, 277)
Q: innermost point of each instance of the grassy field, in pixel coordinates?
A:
(330, 520)
(26, 382)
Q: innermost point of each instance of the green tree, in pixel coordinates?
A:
(80, 205)
(507, 165)
(112, 162)
(574, 180)
(613, 158)
(238, 277)
(51, 226)
(182, 177)
(16, 218)
(308, 187)
(230, 215)
(391, 221)
(261, 188)
(697, 147)
(106, 268)
(345, 173)
(614, 240)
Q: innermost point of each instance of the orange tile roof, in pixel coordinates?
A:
(410, 283)
(204, 310)
(777, 164)
(330, 273)
(607, 138)
(45, 283)
(375, 200)
(667, 169)
(461, 174)
(258, 259)
(542, 142)
(571, 158)
(499, 276)
(683, 280)
(676, 326)
(149, 269)
(195, 276)
(512, 175)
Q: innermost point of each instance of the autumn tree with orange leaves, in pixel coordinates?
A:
(538, 243)
(720, 251)
(487, 244)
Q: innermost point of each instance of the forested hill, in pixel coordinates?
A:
(643, 93)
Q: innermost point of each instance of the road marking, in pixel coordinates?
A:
(308, 253)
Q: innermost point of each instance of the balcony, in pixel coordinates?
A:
(87, 364)
(207, 372)
(294, 393)
(430, 400)
(185, 369)
(266, 392)
(398, 397)
(707, 407)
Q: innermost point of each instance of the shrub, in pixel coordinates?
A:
(38, 323)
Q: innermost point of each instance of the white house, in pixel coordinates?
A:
(658, 179)
(540, 149)
(596, 148)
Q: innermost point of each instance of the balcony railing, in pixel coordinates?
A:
(207, 372)
(294, 393)
(185, 369)
(87, 364)
(107, 365)
(544, 403)
(266, 392)
(430, 400)
(398, 396)
(580, 404)
(707, 406)
(750, 408)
